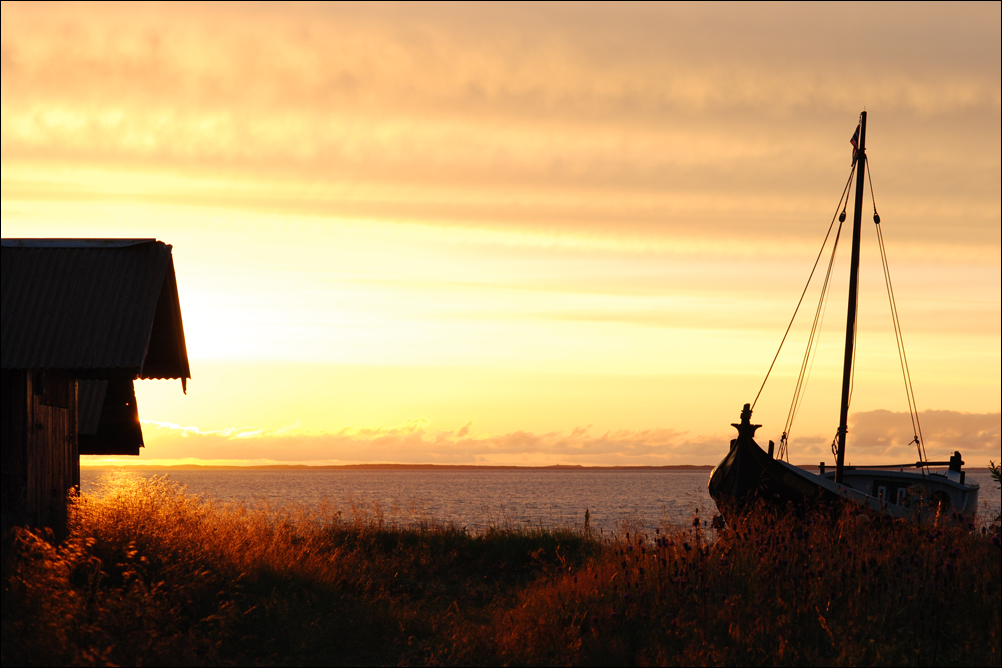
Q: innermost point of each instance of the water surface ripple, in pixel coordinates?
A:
(473, 498)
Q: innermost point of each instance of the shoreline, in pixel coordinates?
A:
(400, 467)
(425, 467)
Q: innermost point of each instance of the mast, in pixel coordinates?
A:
(850, 321)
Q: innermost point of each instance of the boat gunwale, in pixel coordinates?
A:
(891, 473)
(854, 495)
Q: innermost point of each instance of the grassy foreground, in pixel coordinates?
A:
(152, 575)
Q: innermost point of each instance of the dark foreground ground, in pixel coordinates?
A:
(151, 575)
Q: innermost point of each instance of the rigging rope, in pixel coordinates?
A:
(807, 364)
(813, 340)
(919, 439)
(811, 276)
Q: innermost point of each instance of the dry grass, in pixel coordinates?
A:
(152, 575)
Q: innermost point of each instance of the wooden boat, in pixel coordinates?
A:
(749, 474)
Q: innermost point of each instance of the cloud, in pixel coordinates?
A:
(415, 443)
(886, 437)
(880, 436)
(591, 117)
(887, 432)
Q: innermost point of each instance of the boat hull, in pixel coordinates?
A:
(748, 475)
(909, 488)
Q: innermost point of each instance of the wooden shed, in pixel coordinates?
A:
(81, 319)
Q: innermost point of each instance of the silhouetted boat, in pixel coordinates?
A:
(749, 474)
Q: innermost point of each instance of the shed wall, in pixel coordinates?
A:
(40, 453)
(53, 462)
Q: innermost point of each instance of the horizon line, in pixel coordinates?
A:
(395, 466)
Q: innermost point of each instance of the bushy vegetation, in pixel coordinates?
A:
(152, 575)
(996, 471)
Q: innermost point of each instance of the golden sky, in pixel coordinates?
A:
(525, 234)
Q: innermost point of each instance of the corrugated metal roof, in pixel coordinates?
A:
(91, 305)
(90, 398)
(73, 243)
(109, 418)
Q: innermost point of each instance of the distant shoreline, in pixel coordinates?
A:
(401, 467)
(419, 467)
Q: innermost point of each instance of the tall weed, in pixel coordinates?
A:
(153, 575)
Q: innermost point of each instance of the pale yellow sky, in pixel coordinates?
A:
(523, 234)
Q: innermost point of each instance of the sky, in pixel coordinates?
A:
(527, 234)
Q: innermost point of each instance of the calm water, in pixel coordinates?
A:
(474, 498)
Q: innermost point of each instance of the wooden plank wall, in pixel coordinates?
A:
(52, 462)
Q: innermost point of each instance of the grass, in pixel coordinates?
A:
(152, 575)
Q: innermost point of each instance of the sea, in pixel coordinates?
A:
(616, 500)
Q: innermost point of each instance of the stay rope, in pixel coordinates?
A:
(809, 278)
(807, 364)
(919, 439)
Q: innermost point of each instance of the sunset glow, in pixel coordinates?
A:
(510, 234)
